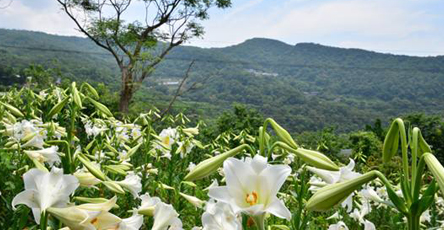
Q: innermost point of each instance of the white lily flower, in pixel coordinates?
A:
(168, 137)
(27, 129)
(333, 177)
(288, 159)
(252, 186)
(86, 179)
(13, 130)
(220, 216)
(338, 226)
(176, 225)
(184, 147)
(196, 202)
(135, 132)
(121, 133)
(132, 223)
(370, 194)
(132, 182)
(43, 94)
(335, 215)
(369, 225)
(45, 189)
(191, 166)
(93, 130)
(425, 216)
(212, 185)
(92, 216)
(165, 217)
(148, 204)
(359, 215)
(49, 155)
(315, 184)
(348, 203)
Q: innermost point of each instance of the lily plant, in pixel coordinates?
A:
(252, 184)
(417, 196)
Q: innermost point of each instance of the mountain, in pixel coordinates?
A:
(305, 86)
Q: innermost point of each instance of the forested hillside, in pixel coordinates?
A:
(305, 86)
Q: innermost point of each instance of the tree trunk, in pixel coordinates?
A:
(126, 93)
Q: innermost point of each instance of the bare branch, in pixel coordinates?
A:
(105, 46)
(7, 5)
(178, 90)
(147, 70)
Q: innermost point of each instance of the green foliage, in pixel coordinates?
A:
(432, 128)
(364, 145)
(316, 86)
(239, 119)
(326, 141)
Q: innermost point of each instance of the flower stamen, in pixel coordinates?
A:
(251, 198)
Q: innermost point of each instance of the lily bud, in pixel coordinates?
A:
(313, 158)
(58, 107)
(91, 89)
(93, 200)
(39, 165)
(330, 195)
(189, 183)
(113, 186)
(88, 216)
(9, 144)
(115, 169)
(196, 202)
(132, 151)
(86, 179)
(282, 133)
(13, 109)
(101, 107)
(76, 95)
(91, 167)
(436, 168)
(165, 186)
(191, 131)
(208, 166)
(149, 211)
(316, 159)
(10, 117)
(391, 141)
(29, 136)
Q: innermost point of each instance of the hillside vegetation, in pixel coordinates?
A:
(305, 87)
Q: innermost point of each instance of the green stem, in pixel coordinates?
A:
(259, 221)
(273, 146)
(262, 133)
(414, 148)
(405, 159)
(413, 222)
(43, 220)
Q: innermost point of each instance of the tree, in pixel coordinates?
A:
(140, 45)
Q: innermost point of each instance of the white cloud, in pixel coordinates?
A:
(376, 24)
(242, 8)
(368, 18)
(48, 19)
(391, 26)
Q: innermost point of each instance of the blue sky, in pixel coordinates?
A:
(413, 27)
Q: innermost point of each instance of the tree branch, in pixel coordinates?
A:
(106, 47)
(178, 90)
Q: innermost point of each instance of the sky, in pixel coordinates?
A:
(411, 27)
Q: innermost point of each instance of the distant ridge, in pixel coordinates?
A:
(305, 86)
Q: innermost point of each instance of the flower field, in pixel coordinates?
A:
(67, 162)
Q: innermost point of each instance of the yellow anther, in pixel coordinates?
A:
(251, 198)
